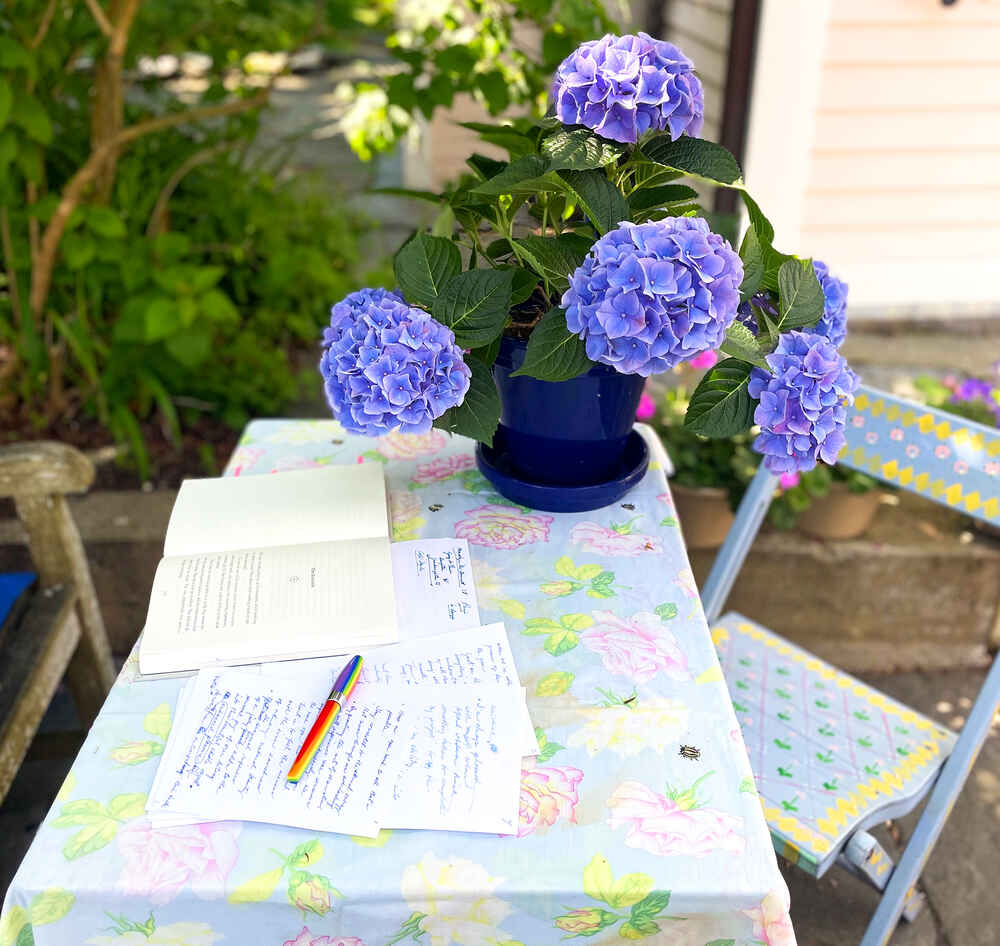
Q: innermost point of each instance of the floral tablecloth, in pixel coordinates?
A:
(639, 819)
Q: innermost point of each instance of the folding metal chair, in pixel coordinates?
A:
(832, 756)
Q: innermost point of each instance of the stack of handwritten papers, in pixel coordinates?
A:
(432, 737)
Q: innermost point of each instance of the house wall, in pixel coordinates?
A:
(701, 29)
(889, 165)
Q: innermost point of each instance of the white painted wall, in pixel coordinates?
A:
(874, 144)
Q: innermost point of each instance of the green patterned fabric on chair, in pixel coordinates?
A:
(830, 754)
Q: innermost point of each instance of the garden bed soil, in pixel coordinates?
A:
(204, 448)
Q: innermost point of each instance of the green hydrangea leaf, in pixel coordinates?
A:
(478, 415)
(721, 406)
(554, 353)
(695, 156)
(424, 266)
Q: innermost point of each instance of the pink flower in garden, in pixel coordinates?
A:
(443, 467)
(789, 480)
(547, 793)
(397, 446)
(640, 647)
(306, 938)
(664, 826)
(646, 408)
(771, 922)
(503, 527)
(707, 359)
(616, 541)
(159, 863)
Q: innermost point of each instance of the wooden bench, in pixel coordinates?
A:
(54, 629)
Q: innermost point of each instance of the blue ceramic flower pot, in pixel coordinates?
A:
(564, 433)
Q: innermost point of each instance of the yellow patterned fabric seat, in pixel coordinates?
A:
(830, 754)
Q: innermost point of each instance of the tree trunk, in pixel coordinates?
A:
(107, 117)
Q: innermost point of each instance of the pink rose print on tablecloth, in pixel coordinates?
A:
(961, 467)
(503, 527)
(547, 794)
(243, 459)
(306, 938)
(858, 420)
(896, 433)
(639, 647)
(912, 451)
(685, 581)
(403, 505)
(771, 922)
(159, 863)
(397, 446)
(289, 461)
(942, 452)
(672, 825)
(619, 540)
(443, 468)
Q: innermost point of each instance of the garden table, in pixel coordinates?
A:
(639, 819)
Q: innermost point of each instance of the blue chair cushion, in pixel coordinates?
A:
(829, 753)
(12, 586)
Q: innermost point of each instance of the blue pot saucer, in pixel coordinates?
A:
(495, 465)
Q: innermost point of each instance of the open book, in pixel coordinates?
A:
(276, 567)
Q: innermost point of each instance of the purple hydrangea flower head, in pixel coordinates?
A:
(623, 86)
(833, 322)
(651, 295)
(389, 366)
(802, 404)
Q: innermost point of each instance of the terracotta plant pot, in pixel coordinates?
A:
(704, 514)
(840, 514)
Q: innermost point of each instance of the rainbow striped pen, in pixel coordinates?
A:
(338, 696)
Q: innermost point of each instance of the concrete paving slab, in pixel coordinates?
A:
(961, 876)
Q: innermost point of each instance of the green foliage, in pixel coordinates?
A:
(721, 406)
(189, 274)
(553, 353)
(725, 463)
(789, 504)
(441, 52)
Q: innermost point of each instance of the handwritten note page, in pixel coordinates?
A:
(472, 657)
(237, 732)
(434, 587)
(461, 767)
(230, 752)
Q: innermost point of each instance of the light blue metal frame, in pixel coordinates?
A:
(956, 768)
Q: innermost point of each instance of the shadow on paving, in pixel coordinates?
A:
(960, 880)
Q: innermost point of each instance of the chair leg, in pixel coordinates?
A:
(943, 796)
(867, 858)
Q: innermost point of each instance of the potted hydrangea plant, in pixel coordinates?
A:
(553, 283)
